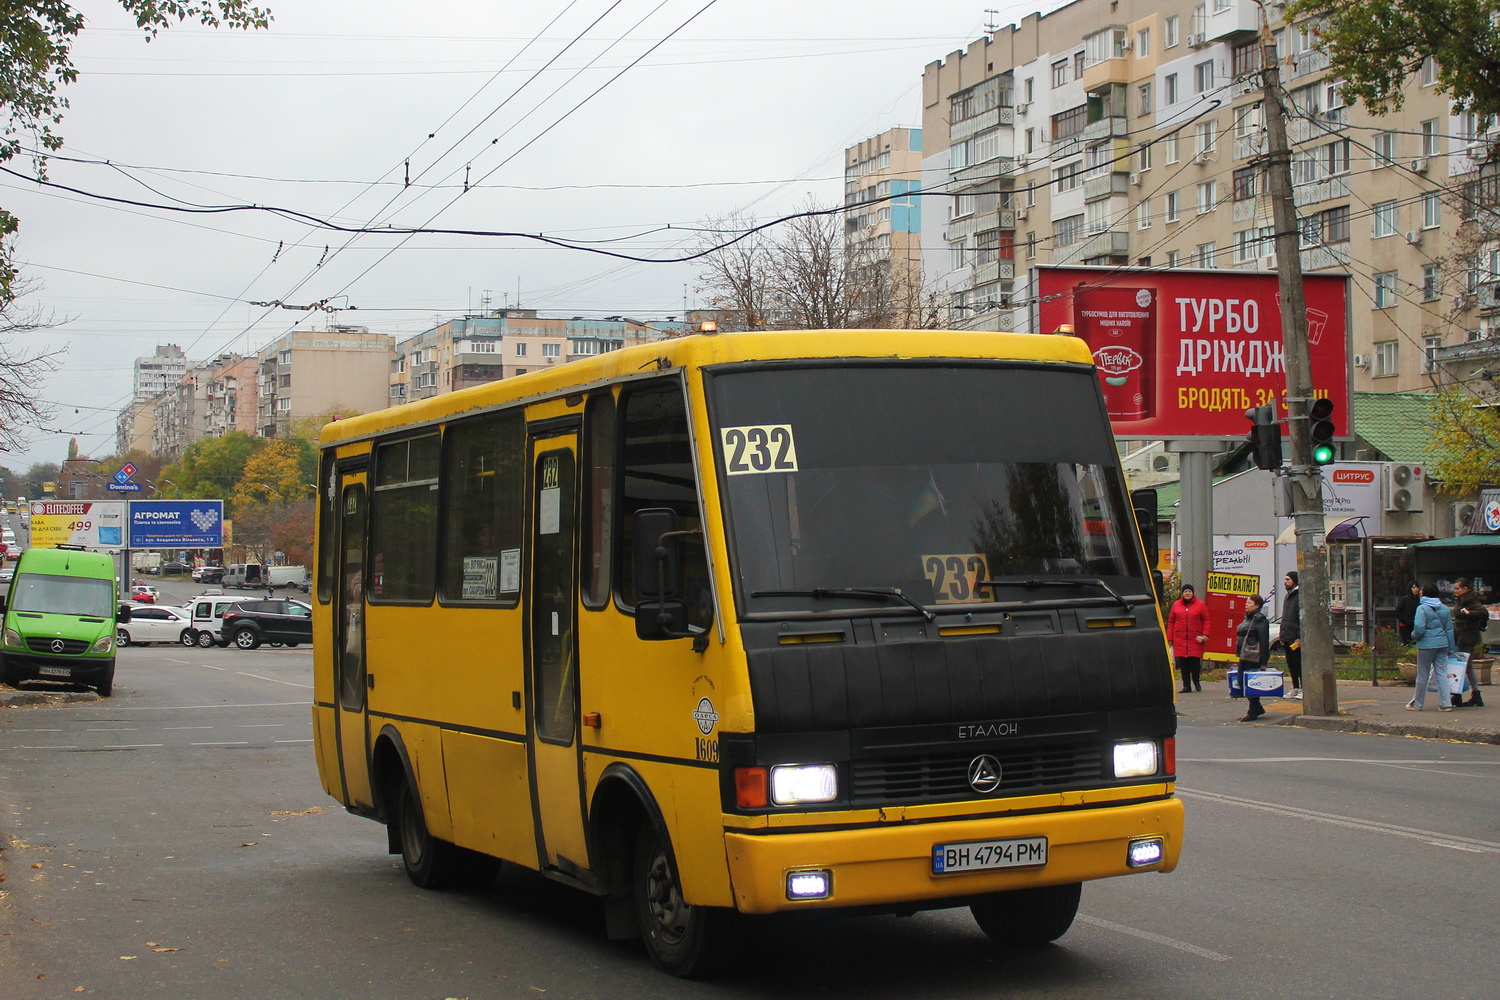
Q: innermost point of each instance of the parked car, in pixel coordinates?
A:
(143, 594)
(174, 568)
(207, 615)
(209, 574)
(249, 623)
(152, 623)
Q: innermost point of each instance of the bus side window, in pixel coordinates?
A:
(484, 474)
(598, 498)
(657, 471)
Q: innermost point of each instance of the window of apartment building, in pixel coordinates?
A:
(1143, 42)
(1069, 230)
(1385, 150)
(284, 381)
(1098, 215)
(1207, 136)
(520, 349)
(1169, 32)
(1222, 5)
(1103, 45)
(1143, 214)
(1208, 197)
(1308, 100)
(551, 350)
(1430, 347)
(1385, 289)
(1070, 122)
(1172, 206)
(1174, 258)
(1385, 358)
(1431, 282)
(1432, 210)
(283, 405)
(1143, 158)
(1430, 144)
(284, 358)
(1385, 219)
(1169, 90)
(1246, 183)
(1078, 64)
(1248, 121)
(1207, 252)
(399, 365)
(1059, 73)
(1031, 245)
(1171, 147)
(1203, 76)
(1245, 59)
(1143, 99)
(988, 243)
(1334, 157)
(1428, 74)
(1029, 89)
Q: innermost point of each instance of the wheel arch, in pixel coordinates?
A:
(622, 801)
(389, 760)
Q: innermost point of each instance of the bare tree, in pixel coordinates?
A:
(22, 371)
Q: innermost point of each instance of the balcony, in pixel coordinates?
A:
(1106, 185)
(1483, 350)
(1108, 243)
(982, 122)
(1323, 190)
(1333, 120)
(1330, 255)
(1105, 128)
(1309, 62)
(1246, 146)
(1105, 72)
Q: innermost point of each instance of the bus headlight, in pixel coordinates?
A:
(103, 644)
(796, 784)
(1136, 760)
(13, 639)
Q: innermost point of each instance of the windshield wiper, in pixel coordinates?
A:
(879, 593)
(1054, 582)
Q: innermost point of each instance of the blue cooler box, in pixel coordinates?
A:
(1261, 683)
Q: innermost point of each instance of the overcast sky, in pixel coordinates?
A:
(747, 108)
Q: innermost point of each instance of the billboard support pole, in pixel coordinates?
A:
(1320, 690)
(1195, 515)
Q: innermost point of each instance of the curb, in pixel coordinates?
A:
(17, 699)
(1428, 732)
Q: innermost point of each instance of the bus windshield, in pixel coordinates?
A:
(954, 484)
(64, 595)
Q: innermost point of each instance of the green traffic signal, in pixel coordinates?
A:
(1323, 454)
(1320, 432)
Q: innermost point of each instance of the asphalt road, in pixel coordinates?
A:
(173, 841)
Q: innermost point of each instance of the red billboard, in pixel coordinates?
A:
(1186, 353)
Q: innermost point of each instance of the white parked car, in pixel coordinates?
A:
(152, 623)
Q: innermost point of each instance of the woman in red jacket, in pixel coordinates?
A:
(1187, 631)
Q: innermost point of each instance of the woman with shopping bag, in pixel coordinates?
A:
(1432, 630)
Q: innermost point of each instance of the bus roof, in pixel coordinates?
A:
(701, 350)
(70, 562)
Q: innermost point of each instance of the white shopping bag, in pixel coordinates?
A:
(1454, 675)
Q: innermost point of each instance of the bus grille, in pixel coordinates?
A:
(41, 644)
(935, 777)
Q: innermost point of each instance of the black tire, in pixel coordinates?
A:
(188, 637)
(246, 639)
(122, 637)
(206, 640)
(430, 863)
(291, 645)
(682, 939)
(106, 687)
(1028, 918)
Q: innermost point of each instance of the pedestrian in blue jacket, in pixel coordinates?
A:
(1432, 630)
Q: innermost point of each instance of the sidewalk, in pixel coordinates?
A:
(1363, 708)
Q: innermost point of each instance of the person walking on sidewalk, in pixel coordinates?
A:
(1406, 611)
(1253, 647)
(1470, 618)
(1291, 632)
(1187, 630)
(1433, 633)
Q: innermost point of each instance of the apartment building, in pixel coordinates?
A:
(1131, 133)
(312, 373)
(135, 426)
(883, 224)
(472, 350)
(155, 373)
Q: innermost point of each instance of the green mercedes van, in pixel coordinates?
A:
(60, 617)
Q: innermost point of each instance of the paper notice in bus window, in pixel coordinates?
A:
(955, 577)
(757, 450)
(549, 511)
(510, 571)
(481, 578)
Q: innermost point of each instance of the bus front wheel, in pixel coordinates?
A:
(1028, 918)
(681, 938)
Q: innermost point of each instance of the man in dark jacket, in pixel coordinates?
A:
(1470, 617)
(1291, 632)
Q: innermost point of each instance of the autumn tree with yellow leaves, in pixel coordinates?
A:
(1463, 449)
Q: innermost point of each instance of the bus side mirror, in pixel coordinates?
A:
(1145, 504)
(658, 575)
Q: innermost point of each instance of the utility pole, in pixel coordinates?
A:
(1319, 690)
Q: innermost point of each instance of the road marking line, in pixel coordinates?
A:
(24, 747)
(131, 746)
(36, 730)
(291, 741)
(180, 708)
(128, 729)
(273, 680)
(263, 725)
(1369, 826)
(1191, 949)
(173, 729)
(225, 743)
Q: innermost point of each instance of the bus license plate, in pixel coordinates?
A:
(982, 855)
(54, 671)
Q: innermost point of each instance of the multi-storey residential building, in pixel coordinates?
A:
(313, 373)
(231, 403)
(1131, 133)
(205, 402)
(156, 373)
(135, 426)
(883, 224)
(471, 350)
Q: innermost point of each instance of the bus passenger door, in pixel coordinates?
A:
(557, 761)
(349, 673)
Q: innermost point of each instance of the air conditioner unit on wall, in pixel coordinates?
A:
(1194, 41)
(1361, 361)
(1463, 513)
(1402, 487)
(1135, 180)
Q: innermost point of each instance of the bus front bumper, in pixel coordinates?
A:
(26, 666)
(892, 866)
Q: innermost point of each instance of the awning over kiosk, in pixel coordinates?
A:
(1342, 526)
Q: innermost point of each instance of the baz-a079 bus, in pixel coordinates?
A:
(750, 624)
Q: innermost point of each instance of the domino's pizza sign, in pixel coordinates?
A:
(187, 524)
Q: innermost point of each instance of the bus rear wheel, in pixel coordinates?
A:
(430, 863)
(683, 939)
(1028, 918)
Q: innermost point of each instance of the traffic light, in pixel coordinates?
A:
(1320, 431)
(1264, 436)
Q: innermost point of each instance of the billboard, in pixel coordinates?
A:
(94, 524)
(176, 524)
(1184, 354)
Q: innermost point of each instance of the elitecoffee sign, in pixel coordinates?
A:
(1186, 353)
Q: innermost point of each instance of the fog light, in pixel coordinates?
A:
(809, 885)
(1135, 760)
(1145, 852)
